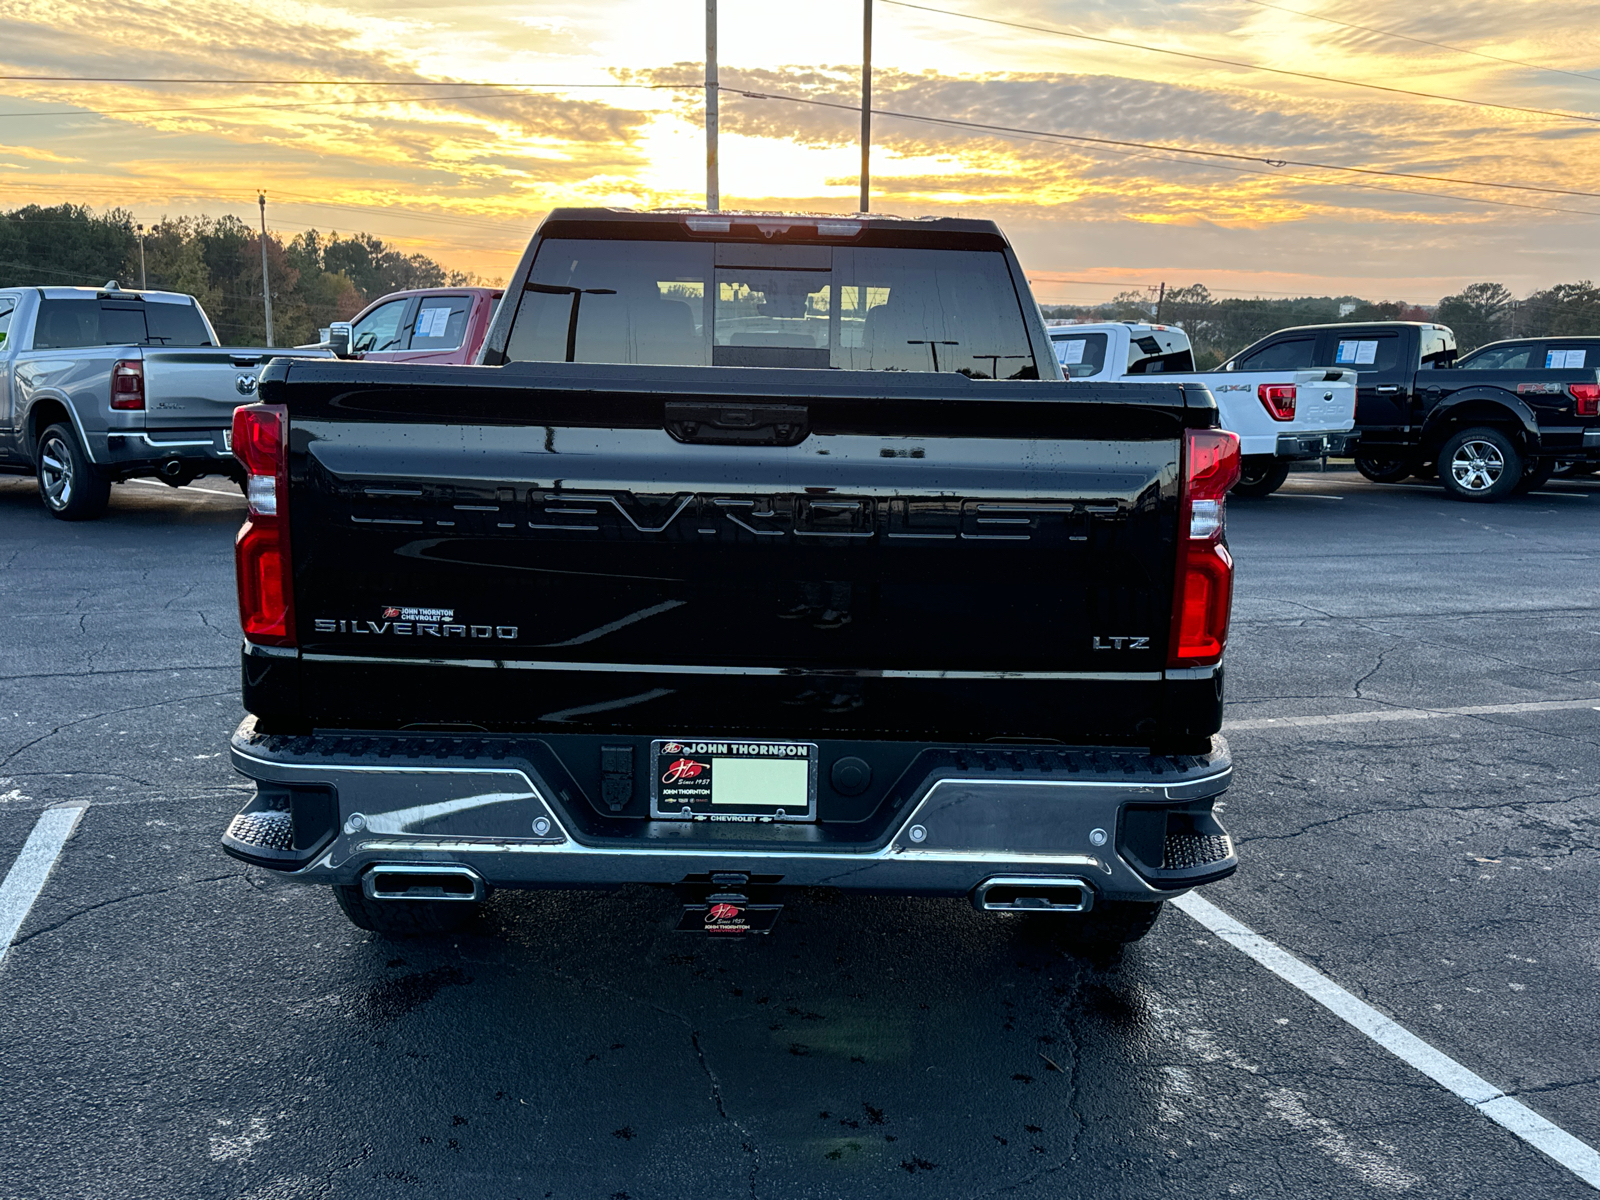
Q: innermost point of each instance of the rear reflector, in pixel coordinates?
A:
(1278, 399)
(1587, 396)
(261, 551)
(1203, 590)
(127, 384)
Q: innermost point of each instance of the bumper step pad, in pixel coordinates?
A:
(263, 830)
(1185, 851)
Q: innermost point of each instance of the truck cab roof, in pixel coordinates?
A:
(686, 224)
(110, 291)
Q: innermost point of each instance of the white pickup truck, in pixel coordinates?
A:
(1280, 413)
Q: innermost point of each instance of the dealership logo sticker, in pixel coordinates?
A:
(684, 768)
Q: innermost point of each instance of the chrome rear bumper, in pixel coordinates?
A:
(340, 814)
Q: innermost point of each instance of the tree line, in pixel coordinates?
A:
(1480, 313)
(315, 278)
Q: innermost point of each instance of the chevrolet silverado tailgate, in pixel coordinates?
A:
(553, 544)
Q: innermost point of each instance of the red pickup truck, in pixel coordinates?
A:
(432, 325)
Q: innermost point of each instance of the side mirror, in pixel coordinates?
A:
(338, 338)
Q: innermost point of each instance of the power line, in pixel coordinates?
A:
(433, 99)
(1255, 158)
(1372, 187)
(1229, 62)
(1405, 37)
(293, 200)
(330, 82)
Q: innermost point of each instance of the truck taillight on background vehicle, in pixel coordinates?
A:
(1587, 397)
(1278, 399)
(127, 384)
(1203, 595)
(261, 551)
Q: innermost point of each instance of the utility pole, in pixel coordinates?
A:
(1161, 297)
(144, 283)
(866, 104)
(713, 190)
(266, 292)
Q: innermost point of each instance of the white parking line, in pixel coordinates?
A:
(1407, 714)
(1578, 1157)
(189, 488)
(25, 880)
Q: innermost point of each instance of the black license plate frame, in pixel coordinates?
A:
(685, 772)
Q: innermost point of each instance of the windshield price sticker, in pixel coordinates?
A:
(1563, 360)
(718, 780)
(1071, 351)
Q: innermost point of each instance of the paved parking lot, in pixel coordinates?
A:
(176, 1024)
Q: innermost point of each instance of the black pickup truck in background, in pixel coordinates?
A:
(738, 569)
(1488, 432)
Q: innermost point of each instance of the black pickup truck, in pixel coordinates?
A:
(1487, 432)
(736, 569)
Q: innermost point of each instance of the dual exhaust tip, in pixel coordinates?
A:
(1033, 894)
(418, 881)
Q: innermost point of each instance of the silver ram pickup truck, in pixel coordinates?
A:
(98, 385)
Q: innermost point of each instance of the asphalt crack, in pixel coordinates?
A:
(89, 908)
(748, 1145)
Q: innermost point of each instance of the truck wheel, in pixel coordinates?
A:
(1384, 470)
(1481, 464)
(70, 486)
(1535, 474)
(404, 918)
(1108, 925)
(1261, 475)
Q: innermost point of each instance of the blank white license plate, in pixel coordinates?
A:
(704, 779)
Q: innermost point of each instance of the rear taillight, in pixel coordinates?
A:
(1203, 591)
(1587, 397)
(127, 384)
(1277, 399)
(261, 551)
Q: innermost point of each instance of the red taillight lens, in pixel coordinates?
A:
(261, 551)
(1587, 396)
(127, 384)
(1203, 588)
(1278, 399)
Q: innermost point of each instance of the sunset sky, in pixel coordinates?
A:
(463, 173)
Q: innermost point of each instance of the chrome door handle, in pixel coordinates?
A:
(1388, 390)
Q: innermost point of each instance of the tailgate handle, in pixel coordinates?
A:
(737, 424)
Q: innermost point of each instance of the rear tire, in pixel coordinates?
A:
(1481, 464)
(70, 486)
(404, 918)
(1108, 926)
(1384, 470)
(1261, 475)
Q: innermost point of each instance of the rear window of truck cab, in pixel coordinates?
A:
(740, 304)
(71, 324)
(1525, 356)
(1158, 352)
